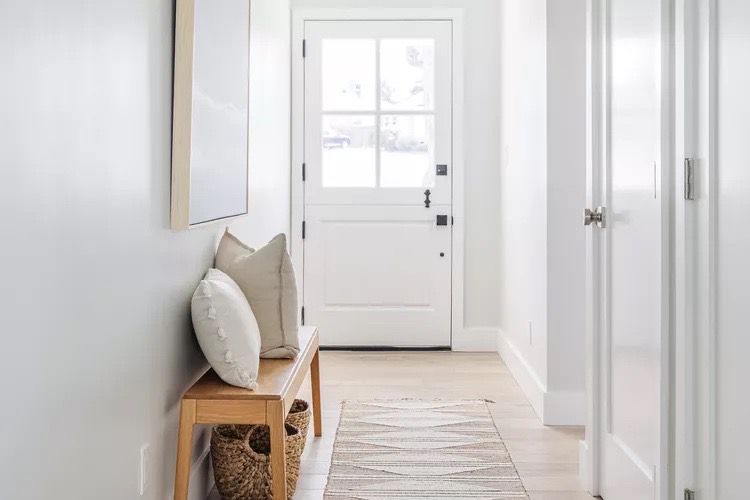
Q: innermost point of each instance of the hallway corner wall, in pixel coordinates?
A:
(542, 194)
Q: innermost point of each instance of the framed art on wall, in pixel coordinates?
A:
(211, 112)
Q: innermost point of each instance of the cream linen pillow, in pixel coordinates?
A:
(226, 329)
(266, 277)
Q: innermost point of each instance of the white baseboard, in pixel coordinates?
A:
(475, 339)
(552, 407)
(524, 374)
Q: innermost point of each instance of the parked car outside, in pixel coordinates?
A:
(335, 140)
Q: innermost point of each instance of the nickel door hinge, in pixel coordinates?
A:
(689, 179)
(689, 494)
(303, 230)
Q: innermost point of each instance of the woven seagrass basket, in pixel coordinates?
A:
(299, 416)
(242, 464)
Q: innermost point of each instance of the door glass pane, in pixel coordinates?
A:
(348, 69)
(407, 151)
(407, 74)
(348, 151)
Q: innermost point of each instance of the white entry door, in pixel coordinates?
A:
(378, 170)
(634, 255)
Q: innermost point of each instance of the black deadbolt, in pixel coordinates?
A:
(441, 169)
(442, 220)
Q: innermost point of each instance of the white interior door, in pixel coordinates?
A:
(377, 196)
(633, 259)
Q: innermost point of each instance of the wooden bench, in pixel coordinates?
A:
(212, 401)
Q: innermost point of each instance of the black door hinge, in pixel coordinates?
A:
(451, 220)
(304, 47)
(303, 315)
(303, 230)
(689, 494)
(304, 171)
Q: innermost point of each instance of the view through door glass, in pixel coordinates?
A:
(378, 112)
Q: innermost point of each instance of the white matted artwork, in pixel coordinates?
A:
(211, 111)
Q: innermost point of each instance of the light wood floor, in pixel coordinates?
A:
(546, 457)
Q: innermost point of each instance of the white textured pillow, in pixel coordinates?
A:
(266, 277)
(226, 329)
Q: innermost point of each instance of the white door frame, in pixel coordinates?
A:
(460, 340)
(695, 249)
(597, 120)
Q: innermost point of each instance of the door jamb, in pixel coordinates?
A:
(695, 250)
(589, 455)
(461, 339)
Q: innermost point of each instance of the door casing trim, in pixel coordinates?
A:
(696, 108)
(460, 334)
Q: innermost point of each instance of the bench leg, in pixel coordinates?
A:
(315, 382)
(184, 449)
(276, 417)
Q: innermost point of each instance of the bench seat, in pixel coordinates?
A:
(212, 401)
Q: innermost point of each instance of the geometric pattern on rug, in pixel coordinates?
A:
(420, 450)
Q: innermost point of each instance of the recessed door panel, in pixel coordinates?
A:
(380, 276)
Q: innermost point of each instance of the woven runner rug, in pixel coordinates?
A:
(413, 449)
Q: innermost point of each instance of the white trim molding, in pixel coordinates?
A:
(524, 373)
(695, 344)
(595, 95)
(552, 407)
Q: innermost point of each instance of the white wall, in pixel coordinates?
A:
(542, 194)
(523, 174)
(481, 148)
(733, 248)
(566, 193)
(97, 340)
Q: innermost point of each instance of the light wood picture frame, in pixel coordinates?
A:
(210, 128)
